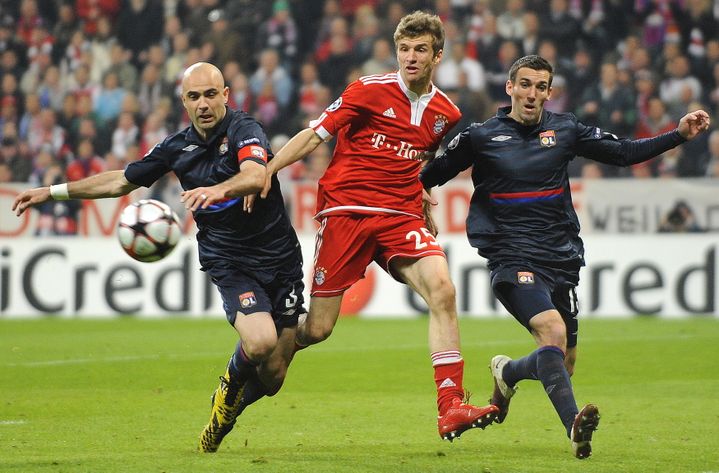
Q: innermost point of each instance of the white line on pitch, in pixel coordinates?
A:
(335, 349)
(12, 422)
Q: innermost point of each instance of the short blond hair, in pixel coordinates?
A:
(420, 23)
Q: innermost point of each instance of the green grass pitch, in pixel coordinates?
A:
(129, 395)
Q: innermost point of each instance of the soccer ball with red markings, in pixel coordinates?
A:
(148, 230)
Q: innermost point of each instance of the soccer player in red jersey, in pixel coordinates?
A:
(370, 203)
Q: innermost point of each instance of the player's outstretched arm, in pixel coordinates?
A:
(247, 182)
(299, 146)
(693, 123)
(99, 186)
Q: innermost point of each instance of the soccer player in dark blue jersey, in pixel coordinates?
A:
(253, 259)
(521, 219)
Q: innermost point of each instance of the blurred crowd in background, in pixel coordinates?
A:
(90, 85)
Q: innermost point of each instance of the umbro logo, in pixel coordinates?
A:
(389, 113)
(189, 148)
(501, 138)
(447, 383)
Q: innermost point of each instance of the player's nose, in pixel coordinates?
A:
(202, 104)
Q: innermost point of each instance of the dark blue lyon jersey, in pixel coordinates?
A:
(262, 240)
(521, 209)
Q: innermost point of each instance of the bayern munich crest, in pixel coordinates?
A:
(320, 274)
(440, 121)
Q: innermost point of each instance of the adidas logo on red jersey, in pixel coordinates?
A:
(389, 113)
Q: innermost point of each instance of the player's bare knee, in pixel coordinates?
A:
(316, 333)
(260, 348)
(550, 331)
(442, 295)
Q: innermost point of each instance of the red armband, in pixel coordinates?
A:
(254, 152)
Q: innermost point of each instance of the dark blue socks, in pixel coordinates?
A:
(522, 368)
(547, 365)
(555, 379)
(241, 368)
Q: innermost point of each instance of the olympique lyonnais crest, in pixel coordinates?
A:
(547, 138)
(525, 277)
(320, 276)
(247, 300)
(223, 146)
(440, 121)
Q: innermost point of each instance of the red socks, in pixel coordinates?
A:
(448, 373)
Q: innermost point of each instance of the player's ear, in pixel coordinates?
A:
(226, 94)
(549, 93)
(438, 56)
(508, 87)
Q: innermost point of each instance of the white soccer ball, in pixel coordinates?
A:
(148, 230)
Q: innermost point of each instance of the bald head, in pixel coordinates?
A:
(204, 72)
(204, 96)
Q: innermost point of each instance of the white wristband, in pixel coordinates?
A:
(59, 192)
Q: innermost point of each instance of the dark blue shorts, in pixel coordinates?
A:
(525, 293)
(280, 294)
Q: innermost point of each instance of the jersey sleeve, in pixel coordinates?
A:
(458, 156)
(150, 168)
(251, 143)
(608, 148)
(342, 111)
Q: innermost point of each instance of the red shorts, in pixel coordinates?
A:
(347, 244)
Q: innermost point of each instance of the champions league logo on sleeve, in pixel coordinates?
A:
(335, 105)
(440, 121)
(453, 144)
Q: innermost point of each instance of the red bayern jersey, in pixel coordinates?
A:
(381, 127)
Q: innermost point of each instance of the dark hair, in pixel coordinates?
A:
(538, 63)
(419, 23)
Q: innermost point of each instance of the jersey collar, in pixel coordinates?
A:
(412, 96)
(503, 114)
(193, 137)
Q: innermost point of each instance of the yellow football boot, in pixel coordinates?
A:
(225, 408)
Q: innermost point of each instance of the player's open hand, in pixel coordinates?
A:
(201, 197)
(30, 198)
(693, 123)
